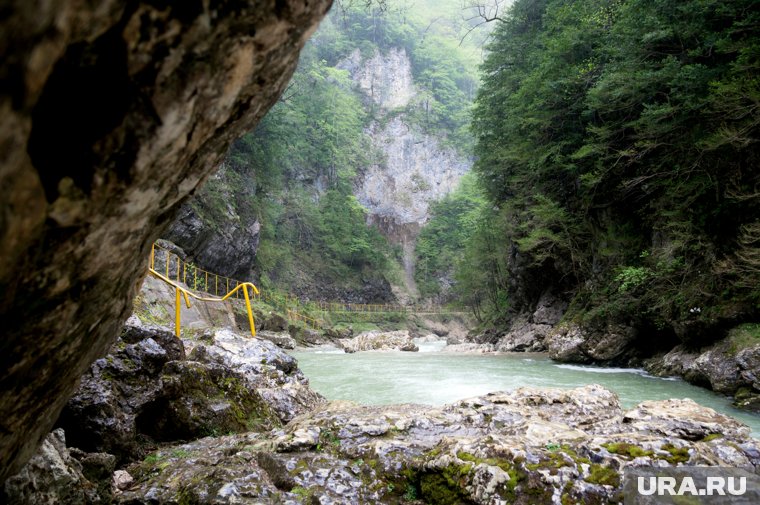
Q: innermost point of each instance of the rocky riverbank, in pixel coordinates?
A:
(729, 366)
(527, 446)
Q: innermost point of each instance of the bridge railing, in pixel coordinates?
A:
(172, 266)
(180, 273)
(187, 278)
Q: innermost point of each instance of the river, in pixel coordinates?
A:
(434, 377)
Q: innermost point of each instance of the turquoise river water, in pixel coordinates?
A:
(433, 377)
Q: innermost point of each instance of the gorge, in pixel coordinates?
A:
(549, 255)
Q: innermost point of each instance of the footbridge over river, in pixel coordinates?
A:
(192, 282)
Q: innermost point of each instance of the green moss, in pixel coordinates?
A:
(305, 495)
(180, 453)
(566, 449)
(470, 458)
(743, 336)
(152, 459)
(677, 455)
(603, 476)
(447, 486)
(711, 437)
(328, 441)
(626, 449)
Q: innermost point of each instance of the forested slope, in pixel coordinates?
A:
(373, 128)
(617, 142)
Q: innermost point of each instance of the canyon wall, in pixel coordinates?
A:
(112, 113)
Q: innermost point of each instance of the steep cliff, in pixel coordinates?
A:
(157, 92)
(370, 132)
(411, 167)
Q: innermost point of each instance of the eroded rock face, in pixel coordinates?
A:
(527, 446)
(145, 391)
(222, 241)
(614, 344)
(379, 341)
(112, 113)
(719, 367)
(273, 373)
(51, 477)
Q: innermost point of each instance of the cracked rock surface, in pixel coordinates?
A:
(111, 114)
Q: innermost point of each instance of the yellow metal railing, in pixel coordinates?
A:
(181, 274)
(312, 323)
(186, 278)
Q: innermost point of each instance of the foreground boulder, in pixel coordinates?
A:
(52, 476)
(265, 367)
(158, 91)
(379, 341)
(147, 392)
(531, 446)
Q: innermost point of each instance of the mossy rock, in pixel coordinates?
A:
(629, 450)
(603, 476)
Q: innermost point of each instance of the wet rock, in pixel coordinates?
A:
(52, 476)
(491, 337)
(748, 399)
(339, 333)
(524, 336)
(273, 321)
(721, 367)
(267, 368)
(143, 393)
(565, 344)
(469, 347)
(199, 399)
(163, 90)
(101, 415)
(280, 339)
(98, 468)
(540, 445)
(379, 341)
(613, 344)
(312, 337)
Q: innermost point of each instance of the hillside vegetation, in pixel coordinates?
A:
(617, 144)
(295, 174)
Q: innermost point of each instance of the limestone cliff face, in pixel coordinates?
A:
(111, 113)
(219, 231)
(413, 168)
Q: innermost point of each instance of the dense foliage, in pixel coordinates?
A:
(440, 247)
(295, 173)
(619, 141)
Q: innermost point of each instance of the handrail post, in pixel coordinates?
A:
(153, 255)
(177, 307)
(248, 307)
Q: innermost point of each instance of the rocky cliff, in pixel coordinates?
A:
(157, 91)
(389, 150)
(412, 166)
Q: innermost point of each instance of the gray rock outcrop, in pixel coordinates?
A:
(146, 391)
(113, 114)
(719, 367)
(219, 239)
(51, 477)
(531, 445)
(379, 341)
